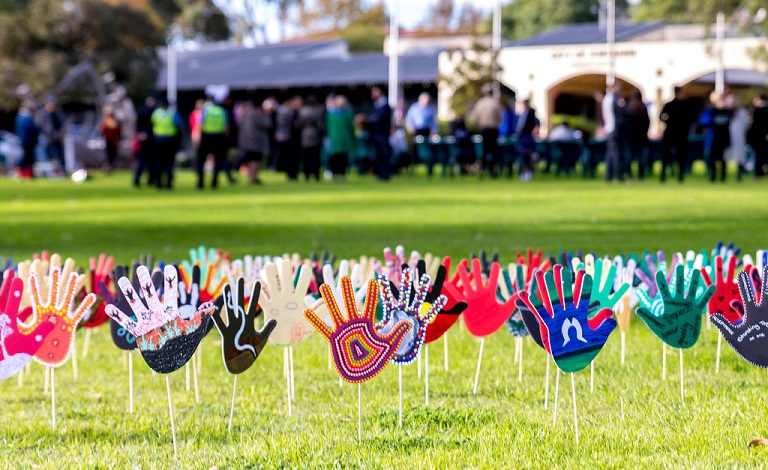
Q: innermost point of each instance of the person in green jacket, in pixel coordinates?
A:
(340, 127)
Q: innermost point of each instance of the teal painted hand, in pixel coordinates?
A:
(678, 323)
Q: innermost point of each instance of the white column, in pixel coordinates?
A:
(496, 42)
(394, 52)
(171, 80)
(719, 48)
(610, 39)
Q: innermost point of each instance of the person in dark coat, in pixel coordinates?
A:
(52, 128)
(288, 138)
(718, 124)
(379, 130)
(636, 125)
(311, 124)
(757, 135)
(145, 155)
(677, 117)
(253, 139)
(27, 131)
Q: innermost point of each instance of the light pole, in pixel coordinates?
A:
(719, 49)
(496, 45)
(610, 39)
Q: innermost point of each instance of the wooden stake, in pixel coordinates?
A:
(575, 415)
(232, 408)
(288, 380)
(188, 371)
(664, 361)
(479, 361)
(359, 411)
(717, 358)
(290, 372)
(170, 411)
(426, 375)
(520, 361)
(517, 349)
(125, 359)
(47, 372)
(330, 360)
(682, 386)
(200, 359)
(557, 395)
(195, 358)
(592, 376)
(21, 377)
(400, 405)
(74, 359)
(87, 342)
(130, 383)
(53, 399)
(546, 386)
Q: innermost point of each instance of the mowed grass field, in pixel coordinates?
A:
(633, 419)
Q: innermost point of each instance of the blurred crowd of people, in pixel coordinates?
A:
(311, 140)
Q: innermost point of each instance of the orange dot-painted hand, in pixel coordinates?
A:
(57, 308)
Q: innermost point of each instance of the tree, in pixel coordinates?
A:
(474, 68)
(675, 11)
(471, 19)
(368, 32)
(524, 18)
(43, 39)
(440, 17)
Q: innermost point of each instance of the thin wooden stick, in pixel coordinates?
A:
(575, 415)
(47, 373)
(290, 371)
(557, 395)
(418, 366)
(170, 411)
(21, 377)
(426, 375)
(200, 359)
(53, 399)
(717, 359)
(288, 380)
(520, 361)
(232, 408)
(623, 346)
(195, 358)
(330, 360)
(400, 405)
(592, 377)
(479, 361)
(546, 386)
(359, 411)
(74, 359)
(188, 371)
(445, 351)
(130, 383)
(125, 359)
(682, 383)
(517, 349)
(664, 361)
(87, 342)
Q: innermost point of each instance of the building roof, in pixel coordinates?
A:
(588, 33)
(737, 77)
(323, 63)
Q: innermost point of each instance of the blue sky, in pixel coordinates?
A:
(413, 12)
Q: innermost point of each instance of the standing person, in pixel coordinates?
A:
(758, 133)
(486, 116)
(718, 125)
(166, 128)
(270, 107)
(27, 131)
(421, 120)
(311, 125)
(339, 122)
(737, 152)
(145, 154)
(110, 131)
(53, 130)
(195, 121)
(677, 117)
(286, 138)
(232, 138)
(613, 108)
(379, 130)
(636, 125)
(253, 139)
(214, 126)
(525, 129)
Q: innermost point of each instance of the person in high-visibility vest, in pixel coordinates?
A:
(214, 126)
(166, 128)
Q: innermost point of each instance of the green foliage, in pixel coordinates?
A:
(676, 11)
(581, 123)
(633, 417)
(474, 68)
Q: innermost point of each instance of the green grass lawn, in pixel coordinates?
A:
(632, 419)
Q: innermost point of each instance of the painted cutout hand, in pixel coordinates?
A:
(403, 306)
(16, 348)
(679, 322)
(573, 335)
(359, 351)
(726, 290)
(452, 309)
(241, 343)
(283, 300)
